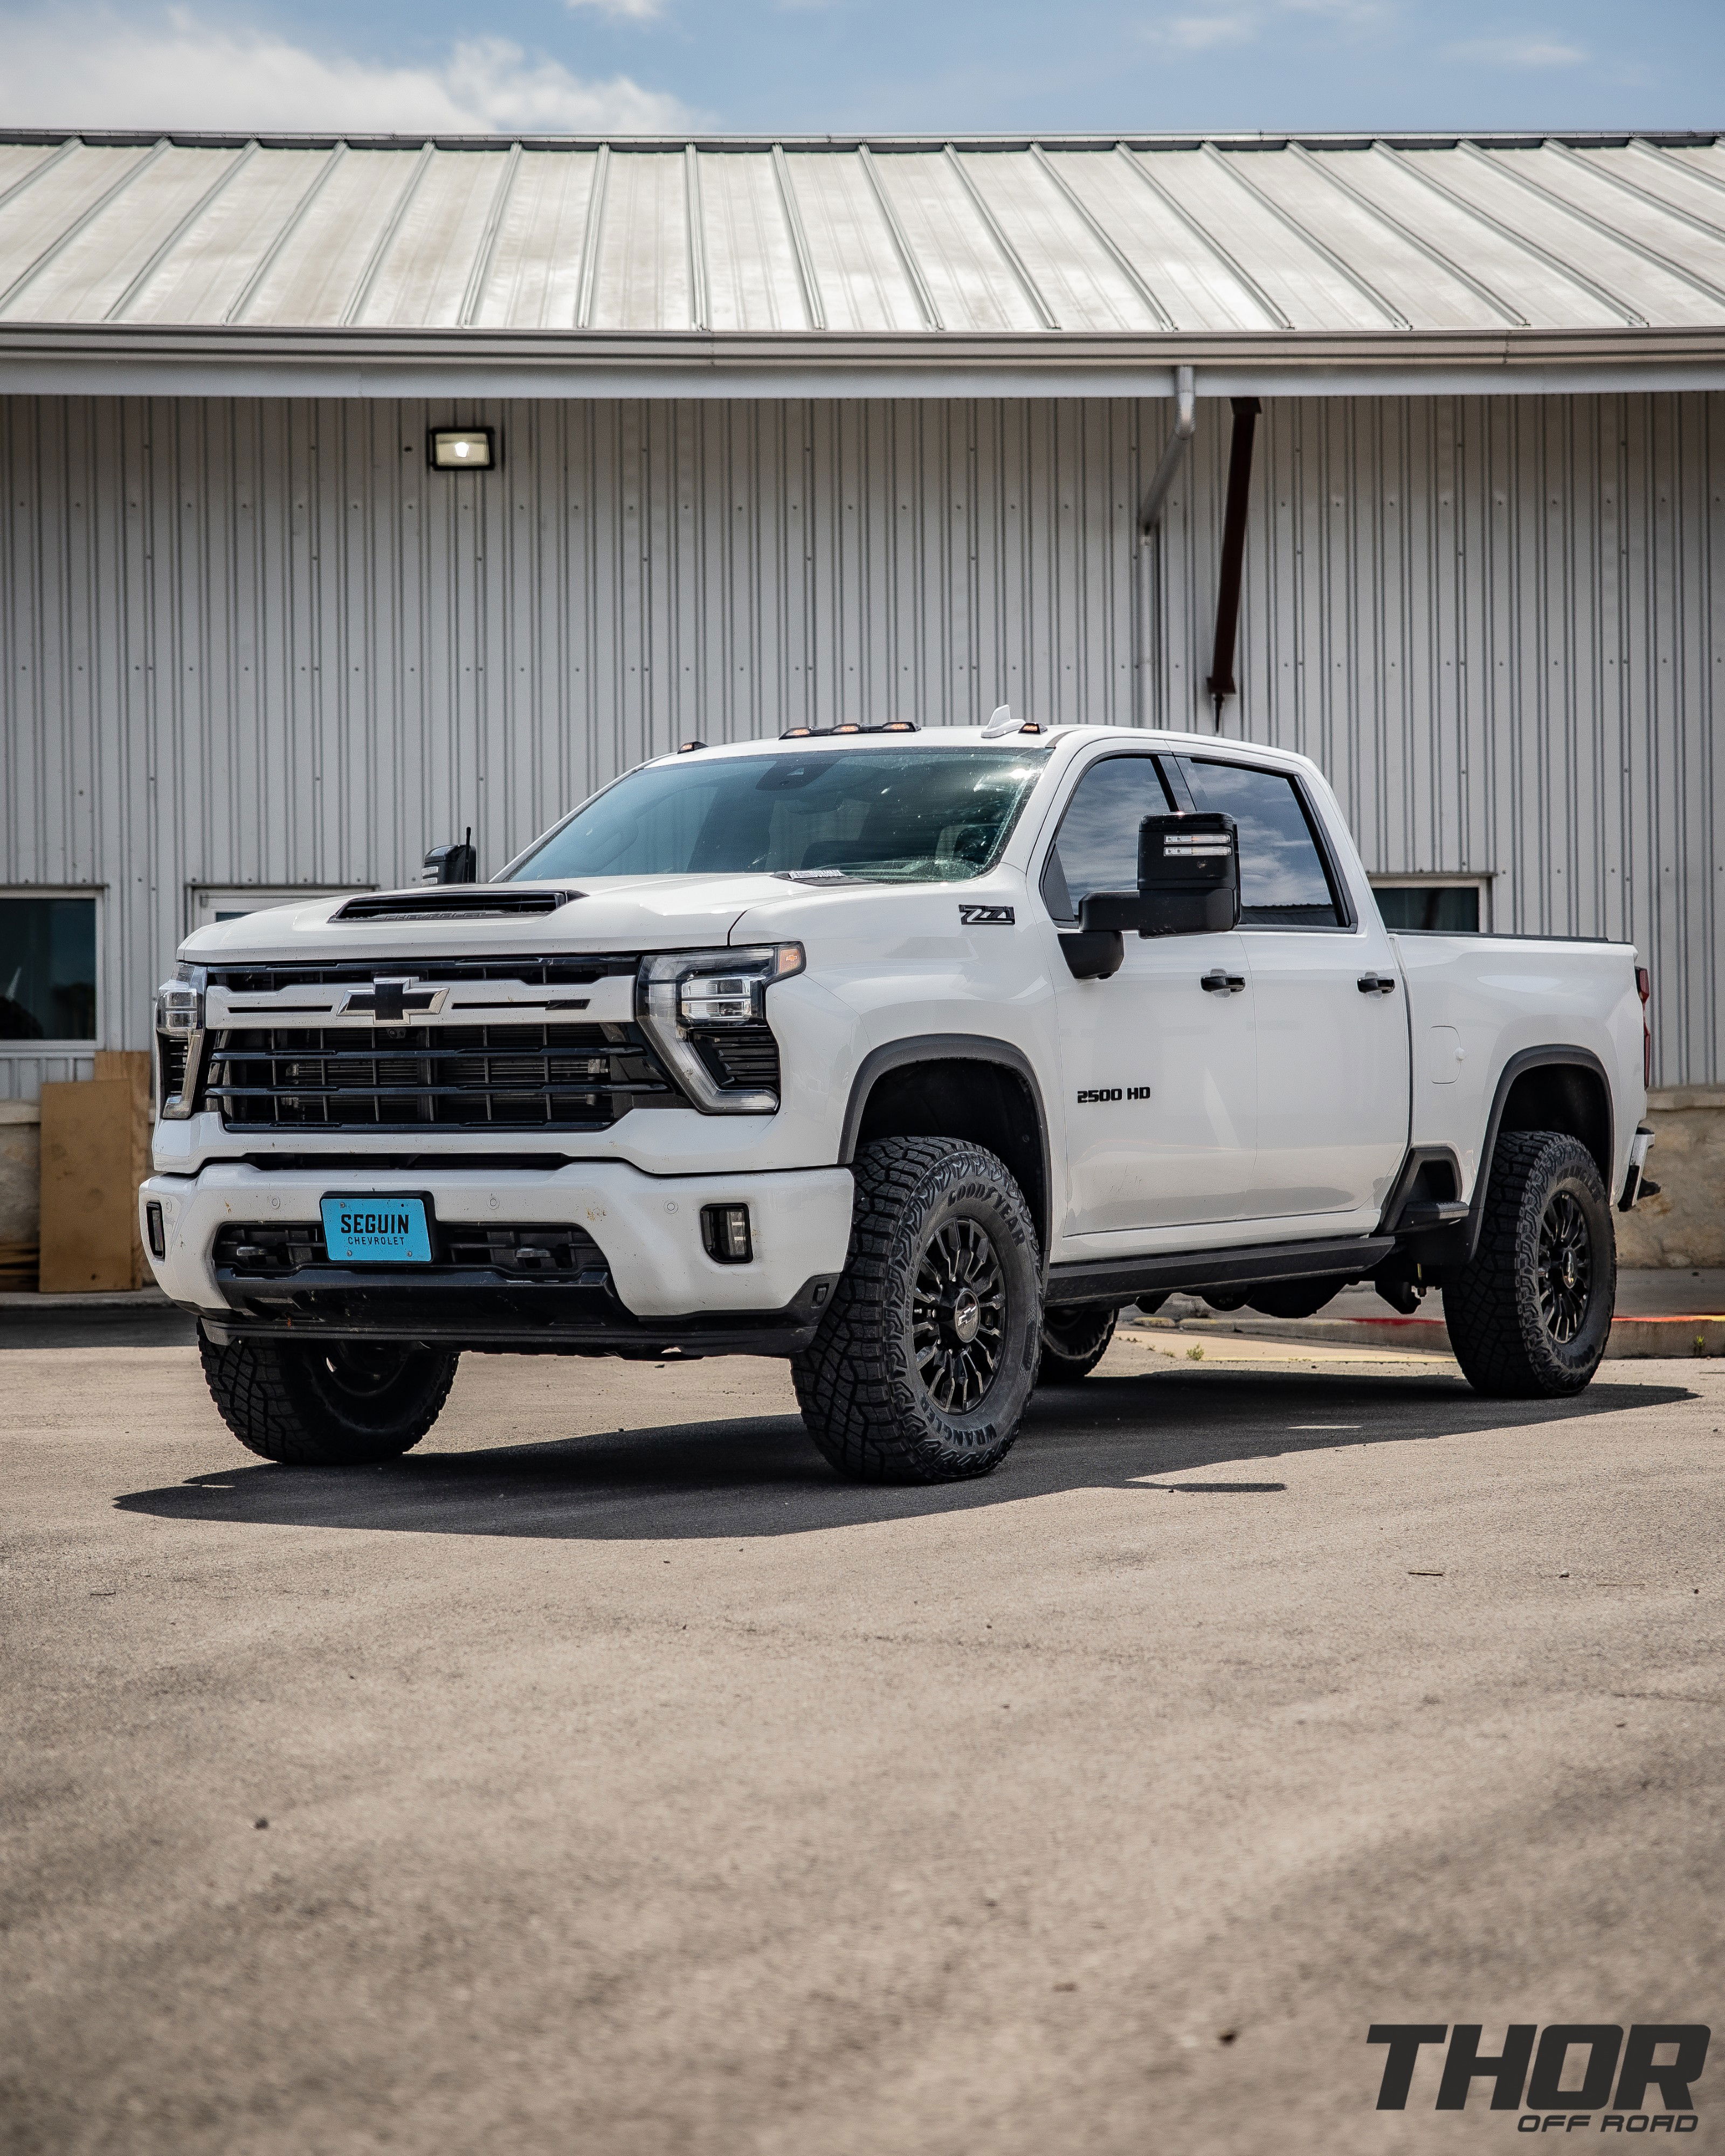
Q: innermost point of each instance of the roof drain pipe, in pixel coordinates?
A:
(1150, 515)
(1185, 426)
(1221, 683)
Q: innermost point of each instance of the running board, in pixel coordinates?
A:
(1123, 1279)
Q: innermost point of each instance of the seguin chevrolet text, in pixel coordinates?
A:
(911, 1057)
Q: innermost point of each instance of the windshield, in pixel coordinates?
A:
(931, 815)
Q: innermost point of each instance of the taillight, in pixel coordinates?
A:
(1644, 989)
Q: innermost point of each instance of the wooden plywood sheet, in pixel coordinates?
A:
(132, 1064)
(88, 1189)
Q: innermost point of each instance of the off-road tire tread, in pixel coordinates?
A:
(1491, 1305)
(845, 1378)
(1072, 1369)
(251, 1384)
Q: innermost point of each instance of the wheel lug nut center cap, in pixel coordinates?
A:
(967, 1317)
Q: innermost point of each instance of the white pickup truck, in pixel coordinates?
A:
(913, 1057)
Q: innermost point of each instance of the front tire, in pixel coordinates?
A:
(1530, 1313)
(348, 1405)
(1076, 1336)
(925, 1359)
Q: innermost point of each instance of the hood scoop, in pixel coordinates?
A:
(454, 901)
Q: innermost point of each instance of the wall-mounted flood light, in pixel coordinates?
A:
(464, 449)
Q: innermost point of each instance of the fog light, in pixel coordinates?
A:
(724, 1231)
(155, 1230)
(463, 448)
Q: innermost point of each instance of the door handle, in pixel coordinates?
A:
(1216, 983)
(1377, 984)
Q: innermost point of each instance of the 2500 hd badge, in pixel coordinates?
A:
(1095, 1096)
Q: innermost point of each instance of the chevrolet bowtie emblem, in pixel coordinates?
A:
(389, 999)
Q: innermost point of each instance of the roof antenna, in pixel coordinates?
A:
(1000, 721)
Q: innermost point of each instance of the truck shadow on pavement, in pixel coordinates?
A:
(759, 1475)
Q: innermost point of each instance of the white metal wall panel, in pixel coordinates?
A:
(257, 642)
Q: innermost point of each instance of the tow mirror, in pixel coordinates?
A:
(456, 863)
(1188, 881)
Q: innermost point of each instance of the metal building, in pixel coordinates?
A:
(788, 432)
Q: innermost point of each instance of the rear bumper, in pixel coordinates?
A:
(662, 1289)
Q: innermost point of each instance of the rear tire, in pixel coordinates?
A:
(346, 1405)
(925, 1359)
(1074, 1338)
(1530, 1313)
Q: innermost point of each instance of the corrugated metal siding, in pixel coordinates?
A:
(1499, 625)
(257, 642)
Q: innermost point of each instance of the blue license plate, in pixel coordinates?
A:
(373, 1230)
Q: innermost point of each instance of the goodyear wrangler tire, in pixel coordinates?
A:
(925, 1360)
(1074, 1338)
(345, 1405)
(1530, 1313)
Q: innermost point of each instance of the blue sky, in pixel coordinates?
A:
(867, 65)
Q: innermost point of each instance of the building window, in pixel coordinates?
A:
(48, 968)
(1429, 903)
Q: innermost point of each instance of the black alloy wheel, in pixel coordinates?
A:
(1530, 1313)
(924, 1361)
(327, 1403)
(1074, 1338)
(1566, 1267)
(958, 1315)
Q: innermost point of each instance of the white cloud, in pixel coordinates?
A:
(630, 11)
(1533, 52)
(1201, 34)
(90, 68)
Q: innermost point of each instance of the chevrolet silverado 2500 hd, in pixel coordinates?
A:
(911, 1057)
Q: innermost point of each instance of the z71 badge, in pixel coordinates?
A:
(986, 917)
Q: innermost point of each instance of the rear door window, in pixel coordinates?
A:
(1283, 880)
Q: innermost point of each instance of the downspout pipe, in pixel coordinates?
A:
(1149, 514)
(1185, 426)
(1221, 684)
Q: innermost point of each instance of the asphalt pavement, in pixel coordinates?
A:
(607, 1777)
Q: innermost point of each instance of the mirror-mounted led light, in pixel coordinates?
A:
(463, 448)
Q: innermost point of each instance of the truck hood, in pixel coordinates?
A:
(612, 913)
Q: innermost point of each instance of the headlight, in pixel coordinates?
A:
(179, 1043)
(685, 994)
(178, 1008)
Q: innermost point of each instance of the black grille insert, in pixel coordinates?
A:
(744, 1055)
(546, 973)
(533, 1252)
(447, 1077)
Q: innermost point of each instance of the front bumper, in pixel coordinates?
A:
(663, 1290)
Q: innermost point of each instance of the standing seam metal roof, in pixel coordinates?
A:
(1268, 243)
